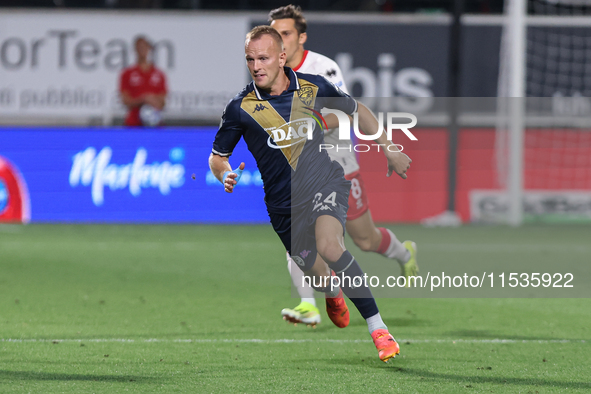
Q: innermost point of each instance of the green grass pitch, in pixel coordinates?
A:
(196, 309)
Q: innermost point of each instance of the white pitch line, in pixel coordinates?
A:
(271, 341)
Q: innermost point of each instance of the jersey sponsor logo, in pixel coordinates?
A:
(259, 107)
(291, 133)
(306, 95)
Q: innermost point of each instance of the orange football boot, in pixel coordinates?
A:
(337, 310)
(386, 344)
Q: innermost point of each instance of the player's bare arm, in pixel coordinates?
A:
(155, 100)
(398, 162)
(219, 166)
(131, 102)
(332, 121)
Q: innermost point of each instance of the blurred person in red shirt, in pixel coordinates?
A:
(143, 88)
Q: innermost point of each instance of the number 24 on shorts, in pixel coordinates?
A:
(321, 205)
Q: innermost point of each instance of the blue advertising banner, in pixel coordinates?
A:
(122, 175)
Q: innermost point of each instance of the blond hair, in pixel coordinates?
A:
(259, 31)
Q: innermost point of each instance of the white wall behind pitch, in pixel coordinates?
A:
(68, 63)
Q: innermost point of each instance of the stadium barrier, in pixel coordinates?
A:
(117, 175)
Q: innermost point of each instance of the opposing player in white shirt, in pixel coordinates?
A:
(291, 24)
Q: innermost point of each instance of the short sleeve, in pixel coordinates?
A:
(229, 132)
(334, 74)
(162, 88)
(124, 81)
(333, 97)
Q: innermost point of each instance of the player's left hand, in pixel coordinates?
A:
(231, 178)
(399, 163)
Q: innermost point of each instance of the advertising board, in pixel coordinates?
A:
(121, 175)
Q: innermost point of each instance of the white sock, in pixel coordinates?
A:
(396, 250)
(297, 275)
(375, 322)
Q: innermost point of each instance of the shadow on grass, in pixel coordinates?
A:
(485, 334)
(30, 375)
(492, 379)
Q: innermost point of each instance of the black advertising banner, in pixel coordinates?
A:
(402, 59)
(390, 60)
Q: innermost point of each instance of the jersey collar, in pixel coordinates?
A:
(294, 85)
(296, 68)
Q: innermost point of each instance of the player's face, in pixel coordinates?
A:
(292, 40)
(265, 60)
(142, 48)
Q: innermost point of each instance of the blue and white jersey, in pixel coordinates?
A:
(284, 137)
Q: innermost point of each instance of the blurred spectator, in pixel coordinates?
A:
(143, 86)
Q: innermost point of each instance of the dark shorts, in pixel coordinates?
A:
(297, 231)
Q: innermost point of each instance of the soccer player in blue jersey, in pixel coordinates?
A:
(306, 193)
(290, 22)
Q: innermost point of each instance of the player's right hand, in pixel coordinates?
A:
(399, 163)
(231, 178)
